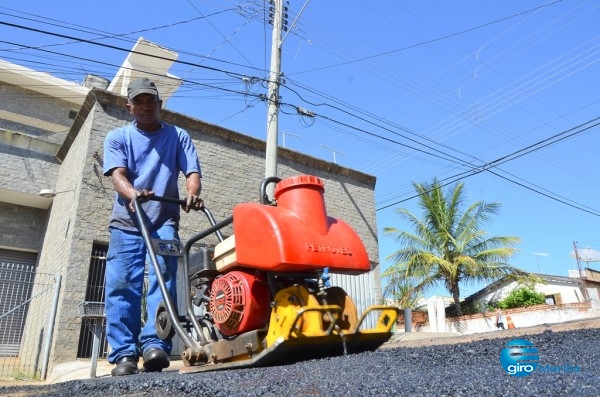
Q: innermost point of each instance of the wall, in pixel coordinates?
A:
(26, 167)
(20, 164)
(44, 109)
(521, 317)
(570, 292)
(29, 235)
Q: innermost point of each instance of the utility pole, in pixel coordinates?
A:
(273, 96)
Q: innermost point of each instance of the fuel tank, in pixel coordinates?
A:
(296, 235)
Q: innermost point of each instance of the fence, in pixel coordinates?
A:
(90, 326)
(24, 298)
(522, 317)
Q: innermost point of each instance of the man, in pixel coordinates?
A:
(143, 158)
(500, 319)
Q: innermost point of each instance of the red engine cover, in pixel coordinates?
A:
(297, 235)
(239, 302)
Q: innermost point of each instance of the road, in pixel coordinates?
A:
(463, 366)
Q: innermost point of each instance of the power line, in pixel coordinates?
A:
(431, 151)
(433, 40)
(81, 40)
(187, 81)
(463, 175)
(492, 164)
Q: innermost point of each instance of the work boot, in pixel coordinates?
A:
(125, 366)
(155, 360)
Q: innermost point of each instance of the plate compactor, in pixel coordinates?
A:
(262, 296)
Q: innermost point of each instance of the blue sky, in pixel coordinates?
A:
(503, 94)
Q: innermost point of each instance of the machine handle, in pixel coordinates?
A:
(165, 199)
(262, 193)
(171, 309)
(181, 202)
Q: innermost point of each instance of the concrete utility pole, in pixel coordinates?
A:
(581, 273)
(273, 95)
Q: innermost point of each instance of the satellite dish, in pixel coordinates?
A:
(586, 255)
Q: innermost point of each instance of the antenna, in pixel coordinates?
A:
(538, 254)
(283, 134)
(334, 151)
(586, 254)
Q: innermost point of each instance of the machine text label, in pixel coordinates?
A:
(328, 249)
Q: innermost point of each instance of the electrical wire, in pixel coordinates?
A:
(429, 150)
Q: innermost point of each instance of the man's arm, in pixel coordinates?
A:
(124, 188)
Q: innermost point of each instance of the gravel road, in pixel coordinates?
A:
(463, 366)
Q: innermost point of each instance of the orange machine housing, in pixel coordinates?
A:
(296, 235)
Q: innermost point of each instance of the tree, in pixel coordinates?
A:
(448, 246)
(405, 295)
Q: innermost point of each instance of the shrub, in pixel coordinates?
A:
(521, 297)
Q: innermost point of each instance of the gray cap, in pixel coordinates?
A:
(141, 85)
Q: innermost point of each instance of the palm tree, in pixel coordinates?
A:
(404, 294)
(448, 246)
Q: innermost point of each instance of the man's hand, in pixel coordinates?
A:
(193, 186)
(193, 202)
(141, 197)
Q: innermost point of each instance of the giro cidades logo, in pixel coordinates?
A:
(519, 357)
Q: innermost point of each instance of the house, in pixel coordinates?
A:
(53, 245)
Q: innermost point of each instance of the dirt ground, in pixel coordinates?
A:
(433, 339)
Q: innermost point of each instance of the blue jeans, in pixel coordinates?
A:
(125, 264)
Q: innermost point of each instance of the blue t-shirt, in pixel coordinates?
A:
(153, 162)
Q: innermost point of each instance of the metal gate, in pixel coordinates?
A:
(22, 292)
(16, 283)
(94, 293)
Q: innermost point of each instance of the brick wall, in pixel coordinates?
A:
(24, 171)
(21, 227)
(19, 100)
(19, 165)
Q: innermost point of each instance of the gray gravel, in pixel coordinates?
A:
(469, 369)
